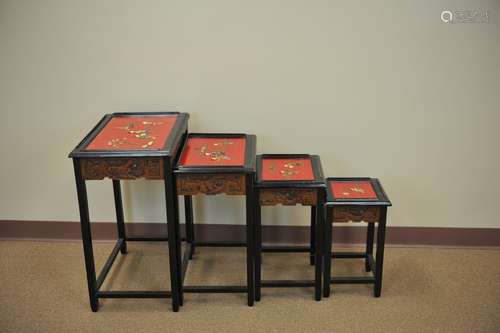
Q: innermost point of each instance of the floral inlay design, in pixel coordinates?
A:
(215, 151)
(353, 190)
(144, 135)
(133, 133)
(287, 169)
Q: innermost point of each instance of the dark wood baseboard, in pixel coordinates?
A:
(342, 234)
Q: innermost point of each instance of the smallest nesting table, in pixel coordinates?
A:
(290, 179)
(356, 200)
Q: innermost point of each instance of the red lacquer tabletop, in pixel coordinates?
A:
(134, 133)
(353, 189)
(199, 151)
(287, 169)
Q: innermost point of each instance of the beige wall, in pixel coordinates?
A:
(384, 90)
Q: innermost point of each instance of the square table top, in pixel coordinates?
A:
(217, 153)
(289, 170)
(356, 191)
(134, 135)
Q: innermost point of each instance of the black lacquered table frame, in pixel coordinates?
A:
(117, 165)
(370, 211)
(290, 193)
(230, 180)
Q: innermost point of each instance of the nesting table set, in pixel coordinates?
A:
(157, 146)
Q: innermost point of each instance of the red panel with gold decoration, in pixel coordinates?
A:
(134, 133)
(353, 190)
(213, 151)
(287, 169)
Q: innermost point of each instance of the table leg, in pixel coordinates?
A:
(258, 246)
(188, 211)
(327, 253)
(380, 251)
(178, 243)
(312, 234)
(172, 222)
(250, 209)
(120, 221)
(86, 235)
(369, 244)
(318, 246)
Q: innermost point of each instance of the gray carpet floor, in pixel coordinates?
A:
(43, 289)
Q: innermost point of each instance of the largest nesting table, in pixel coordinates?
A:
(130, 146)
